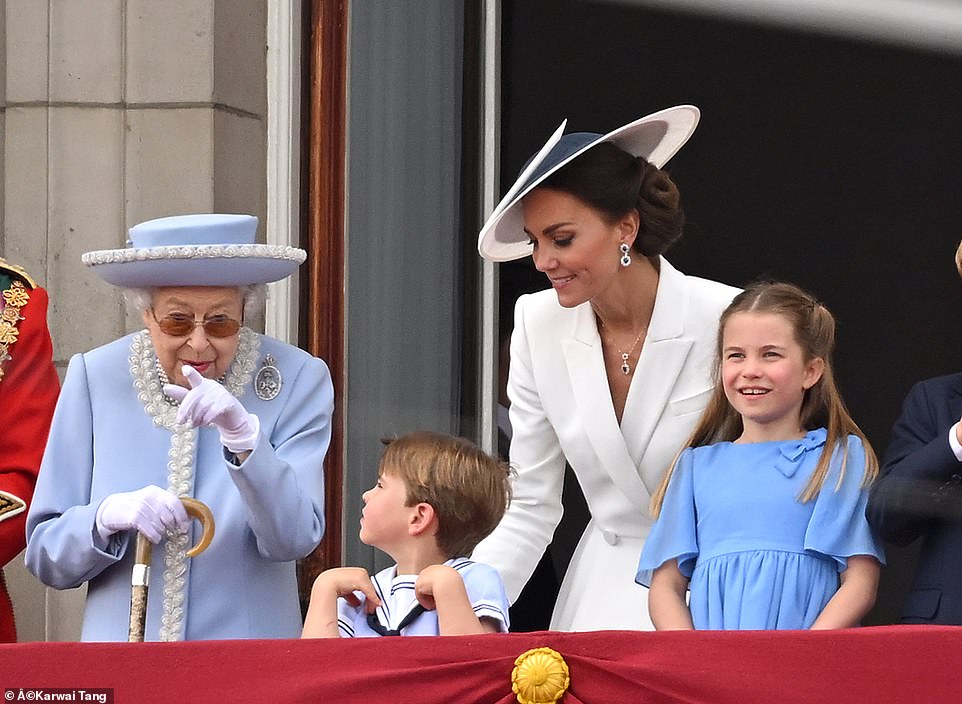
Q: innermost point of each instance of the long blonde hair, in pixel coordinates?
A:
(822, 405)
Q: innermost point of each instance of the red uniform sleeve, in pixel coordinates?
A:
(28, 394)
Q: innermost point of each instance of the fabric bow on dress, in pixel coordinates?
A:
(792, 453)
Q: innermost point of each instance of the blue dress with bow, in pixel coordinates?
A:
(756, 556)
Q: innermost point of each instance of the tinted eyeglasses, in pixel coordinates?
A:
(181, 325)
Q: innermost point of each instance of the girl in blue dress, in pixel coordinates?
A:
(761, 517)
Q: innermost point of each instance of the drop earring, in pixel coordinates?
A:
(625, 257)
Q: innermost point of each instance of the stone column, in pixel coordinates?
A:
(117, 111)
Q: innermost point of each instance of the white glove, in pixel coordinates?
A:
(207, 402)
(150, 511)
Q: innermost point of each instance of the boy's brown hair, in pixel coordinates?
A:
(468, 489)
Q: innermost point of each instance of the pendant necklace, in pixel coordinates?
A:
(625, 366)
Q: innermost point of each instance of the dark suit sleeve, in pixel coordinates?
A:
(28, 393)
(920, 478)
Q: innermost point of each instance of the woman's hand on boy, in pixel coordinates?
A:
(344, 582)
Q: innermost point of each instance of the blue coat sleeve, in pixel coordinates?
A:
(62, 550)
(905, 500)
(282, 481)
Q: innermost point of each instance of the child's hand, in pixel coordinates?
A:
(321, 619)
(441, 589)
(344, 581)
(437, 583)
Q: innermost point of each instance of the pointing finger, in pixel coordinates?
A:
(193, 376)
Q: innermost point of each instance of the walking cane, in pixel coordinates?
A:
(140, 578)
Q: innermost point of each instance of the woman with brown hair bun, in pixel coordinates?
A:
(610, 370)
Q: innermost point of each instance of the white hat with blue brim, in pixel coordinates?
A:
(205, 249)
(656, 137)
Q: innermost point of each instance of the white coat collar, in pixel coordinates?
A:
(622, 448)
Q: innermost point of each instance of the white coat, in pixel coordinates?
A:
(561, 409)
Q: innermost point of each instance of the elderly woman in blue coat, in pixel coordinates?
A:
(195, 405)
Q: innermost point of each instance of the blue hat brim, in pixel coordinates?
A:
(234, 270)
(656, 137)
(199, 249)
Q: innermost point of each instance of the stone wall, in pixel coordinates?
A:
(114, 112)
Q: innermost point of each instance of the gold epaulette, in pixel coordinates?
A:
(17, 271)
(14, 298)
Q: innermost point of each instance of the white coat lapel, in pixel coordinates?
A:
(662, 359)
(592, 399)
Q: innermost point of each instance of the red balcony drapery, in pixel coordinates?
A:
(881, 664)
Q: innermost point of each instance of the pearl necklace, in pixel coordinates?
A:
(148, 379)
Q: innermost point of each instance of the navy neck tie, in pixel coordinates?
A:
(405, 622)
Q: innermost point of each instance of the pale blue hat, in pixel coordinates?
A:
(657, 137)
(194, 250)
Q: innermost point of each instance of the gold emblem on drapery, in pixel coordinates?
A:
(540, 676)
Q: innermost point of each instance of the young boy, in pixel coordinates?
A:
(436, 497)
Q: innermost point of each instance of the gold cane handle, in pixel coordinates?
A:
(199, 510)
(141, 576)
